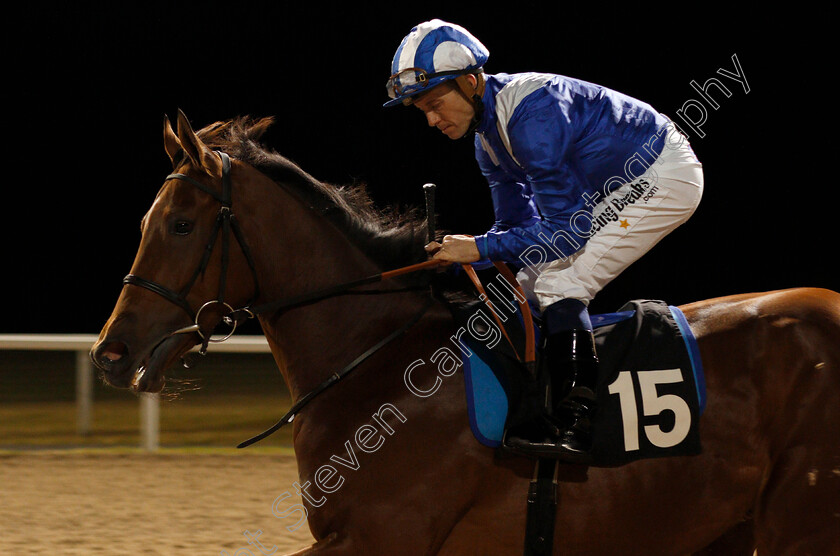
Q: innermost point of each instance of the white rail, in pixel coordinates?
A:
(81, 344)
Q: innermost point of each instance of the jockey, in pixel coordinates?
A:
(584, 181)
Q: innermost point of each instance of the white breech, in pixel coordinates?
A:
(629, 222)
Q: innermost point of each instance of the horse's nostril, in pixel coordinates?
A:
(112, 352)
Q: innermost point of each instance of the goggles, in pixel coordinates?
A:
(411, 81)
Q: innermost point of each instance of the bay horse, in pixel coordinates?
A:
(384, 471)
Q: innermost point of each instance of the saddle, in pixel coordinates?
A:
(651, 390)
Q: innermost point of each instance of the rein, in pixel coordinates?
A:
(527, 358)
(335, 377)
(331, 291)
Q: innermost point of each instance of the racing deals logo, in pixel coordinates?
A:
(642, 189)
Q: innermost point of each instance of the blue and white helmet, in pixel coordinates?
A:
(433, 52)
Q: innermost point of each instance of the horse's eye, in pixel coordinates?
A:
(182, 227)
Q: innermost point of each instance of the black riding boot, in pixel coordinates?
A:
(574, 376)
(568, 360)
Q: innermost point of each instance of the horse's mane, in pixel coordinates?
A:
(391, 238)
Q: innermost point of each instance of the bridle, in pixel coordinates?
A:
(225, 225)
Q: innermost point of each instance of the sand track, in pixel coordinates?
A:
(90, 503)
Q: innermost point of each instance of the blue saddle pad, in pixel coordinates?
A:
(488, 404)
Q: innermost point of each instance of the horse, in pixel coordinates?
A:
(385, 471)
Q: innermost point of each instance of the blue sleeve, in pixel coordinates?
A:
(513, 203)
(540, 135)
(512, 200)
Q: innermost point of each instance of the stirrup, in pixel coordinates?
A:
(556, 443)
(547, 450)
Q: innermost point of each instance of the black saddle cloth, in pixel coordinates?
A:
(650, 384)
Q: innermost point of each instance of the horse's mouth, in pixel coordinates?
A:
(149, 374)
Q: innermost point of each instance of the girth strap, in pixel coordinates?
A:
(541, 509)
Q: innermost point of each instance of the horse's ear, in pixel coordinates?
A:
(199, 154)
(171, 143)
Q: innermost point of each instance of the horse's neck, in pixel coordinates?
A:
(312, 342)
(308, 254)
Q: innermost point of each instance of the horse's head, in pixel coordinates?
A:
(197, 262)
(188, 271)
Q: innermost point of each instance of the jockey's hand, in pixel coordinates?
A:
(432, 247)
(455, 249)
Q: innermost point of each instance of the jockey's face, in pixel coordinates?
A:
(447, 109)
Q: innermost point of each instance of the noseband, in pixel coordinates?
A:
(225, 225)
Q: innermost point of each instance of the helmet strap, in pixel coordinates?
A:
(473, 96)
(466, 87)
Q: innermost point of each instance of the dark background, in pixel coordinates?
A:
(89, 86)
